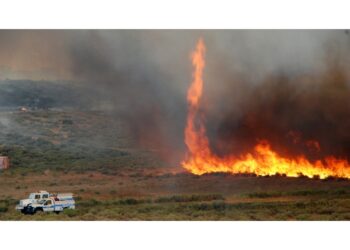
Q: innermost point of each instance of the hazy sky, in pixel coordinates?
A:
(53, 54)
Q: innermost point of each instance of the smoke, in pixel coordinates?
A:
(292, 113)
(290, 87)
(301, 106)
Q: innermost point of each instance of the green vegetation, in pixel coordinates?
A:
(68, 141)
(201, 209)
(189, 198)
(55, 126)
(299, 193)
(57, 141)
(41, 94)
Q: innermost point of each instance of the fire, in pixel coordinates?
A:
(262, 161)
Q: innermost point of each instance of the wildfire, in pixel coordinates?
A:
(262, 161)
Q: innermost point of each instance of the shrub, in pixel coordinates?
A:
(189, 198)
(89, 203)
(129, 201)
(70, 212)
(309, 192)
(219, 206)
(3, 209)
(264, 194)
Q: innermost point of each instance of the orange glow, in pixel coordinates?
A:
(262, 161)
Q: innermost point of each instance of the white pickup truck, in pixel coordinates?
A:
(44, 201)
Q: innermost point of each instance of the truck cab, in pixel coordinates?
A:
(34, 198)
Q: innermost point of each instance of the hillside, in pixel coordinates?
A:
(52, 125)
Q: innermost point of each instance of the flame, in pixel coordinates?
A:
(262, 161)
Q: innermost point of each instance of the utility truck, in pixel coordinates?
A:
(44, 201)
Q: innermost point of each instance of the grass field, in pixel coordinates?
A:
(89, 153)
(153, 195)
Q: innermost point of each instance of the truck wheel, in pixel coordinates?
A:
(57, 212)
(29, 210)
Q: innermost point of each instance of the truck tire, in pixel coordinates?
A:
(26, 210)
(29, 210)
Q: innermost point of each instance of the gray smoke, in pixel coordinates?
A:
(262, 77)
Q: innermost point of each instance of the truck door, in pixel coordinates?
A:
(49, 206)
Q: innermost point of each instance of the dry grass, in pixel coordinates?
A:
(89, 154)
(134, 194)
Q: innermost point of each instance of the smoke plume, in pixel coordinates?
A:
(290, 87)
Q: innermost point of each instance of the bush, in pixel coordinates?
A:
(70, 212)
(189, 198)
(3, 209)
(309, 192)
(219, 206)
(89, 203)
(264, 194)
(129, 201)
(67, 122)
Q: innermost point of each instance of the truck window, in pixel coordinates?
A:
(45, 196)
(48, 203)
(37, 196)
